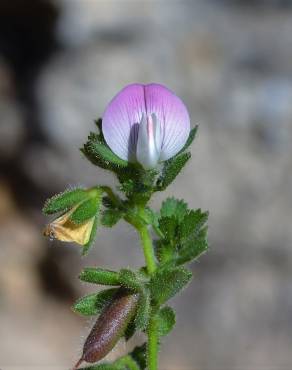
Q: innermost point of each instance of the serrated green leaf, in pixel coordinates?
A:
(193, 247)
(164, 251)
(110, 217)
(167, 283)
(192, 222)
(99, 276)
(143, 310)
(64, 201)
(87, 209)
(171, 169)
(89, 244)
(150, 217)
(174, 207)
(165, 320)
(168, 226)
(130, 280)
(93, 304)
(191, 138)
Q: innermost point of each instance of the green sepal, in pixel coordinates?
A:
(104, 152)
(90, 242)
(93, 304)
(101, 155)
(129, 280)
(143, 310)
(167, 283)
(165, 320)
(110, 217)
(171, 169)
(64, 201)
(100, 276)
(85, 211)
(190, 140)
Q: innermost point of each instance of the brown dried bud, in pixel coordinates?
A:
(109, 326)
(65, 230)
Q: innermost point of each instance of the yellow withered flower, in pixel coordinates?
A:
(65, 230)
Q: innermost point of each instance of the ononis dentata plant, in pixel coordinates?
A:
(143, 138)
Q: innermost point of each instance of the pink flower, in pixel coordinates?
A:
(146, 124)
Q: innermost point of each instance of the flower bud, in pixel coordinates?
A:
(109, 327)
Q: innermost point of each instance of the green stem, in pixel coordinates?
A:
(152, 345)
(147, 249)
(114, 198)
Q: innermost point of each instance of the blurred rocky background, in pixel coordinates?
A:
(61, 61)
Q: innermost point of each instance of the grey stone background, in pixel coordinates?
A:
(231, 62)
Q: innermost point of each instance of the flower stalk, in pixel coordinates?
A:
(147, 249)
(152, 345)
(147, 244)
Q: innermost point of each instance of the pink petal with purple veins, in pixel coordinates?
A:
(172, 115)
(123, 115)
(121, 119)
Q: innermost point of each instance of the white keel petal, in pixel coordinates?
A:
(149, 142)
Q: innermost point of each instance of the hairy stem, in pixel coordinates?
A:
(152, 345)
(147, 249)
